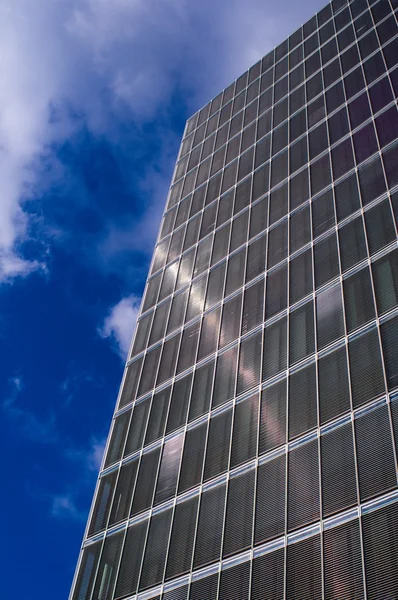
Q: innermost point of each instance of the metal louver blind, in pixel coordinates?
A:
(201, 391)
(168, 282)
(339, 490)
(103, 503)
(358, 299)
(177, 312)
(217, 453)
(371, 180)
(300, 279)
(224, 384)
(176, 594)
(270, 500)
(87, 571)
(367, 381)
(159, 322)
(130, 564)
(146, 481)
(239, 231)
(205, 588)
(158, 414)
(156, 549)
(389, 339)
(376, 465)
(304, 575)
(303, 486)
(225, 208)
(216, 285)
(235, 272)
(249, 366)
(191, 236)
(275, 348)
(231, 320)
(277, 244)
(239, 517)
(326, 260)
(273, 417)
(182, 538)
(176, 244)
(343, 562)
(185, 269)
(352, 243)
(124, 492)
(138, 423)
(149, 370)
(193, 456)
(244, 436)
(268, 576)
(152, 291)
(385, 278)
(329, 315)
(130, 383)
(302, 401)
(179, 403)
(196, 298)
(256, 258)
(380, 540)
(320, 174)
(210, 525)
(334, 394)
(106, 574)
(221, 241)
(322, 214)
(379, 226)
(169, 469)
(302, 336)
(209, 334)
(276, 291)
(203, 253)
(209, 219)
(258, 217)
(169, 358)
(253, 306)
(300, 228)
(347, 197)
(142, 333)
(234, 582)
(118, 437)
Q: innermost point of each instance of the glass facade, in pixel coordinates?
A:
(253, 450)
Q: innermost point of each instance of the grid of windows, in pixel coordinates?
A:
(260, 398)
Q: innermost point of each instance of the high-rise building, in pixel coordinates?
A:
(253, 450)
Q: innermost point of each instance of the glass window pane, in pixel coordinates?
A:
(385, 278)
(301, 338)
(334, 392)
(367, 379)
(358, 299)
(302, 401)
(339, 490)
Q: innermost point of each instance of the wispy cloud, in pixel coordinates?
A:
(33, 427)
(118, 326)
(64, 506)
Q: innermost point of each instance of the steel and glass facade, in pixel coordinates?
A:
(253, 450)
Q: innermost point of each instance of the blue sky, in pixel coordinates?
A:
(93, 101)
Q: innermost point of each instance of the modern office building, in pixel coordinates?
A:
(253, 450)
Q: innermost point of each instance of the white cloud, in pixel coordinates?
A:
(33, 427)
(63, 506)
(74, 63)
(95, 454)
(119, 324)
(89, 458)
